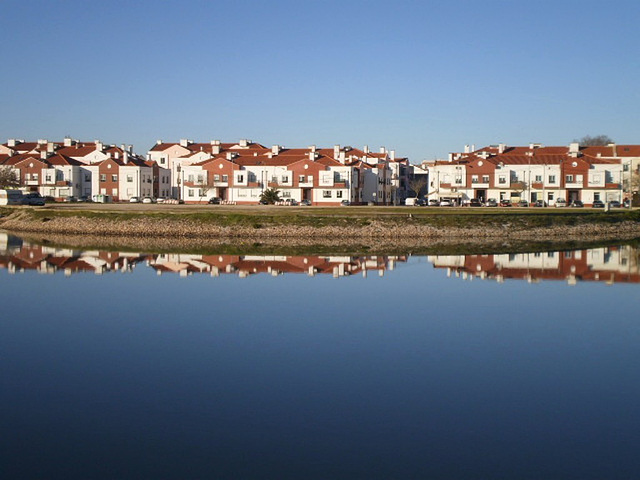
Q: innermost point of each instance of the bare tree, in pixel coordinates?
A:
(417, 183)
(520, 187)
(598, 140)
(204, 187)
(8, 178)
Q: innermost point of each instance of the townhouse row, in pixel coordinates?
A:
(536, 173)
(196, 172)
(239, 173)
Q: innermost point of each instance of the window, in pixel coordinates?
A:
(285, 179)
(190, 192)
(34, 177)
(339, 194)
(103, 177)
(569, 178)
(47, 178)
(301, 179)
(597, 178)
(286, 194)
(596, 195)
(242, 193)
(326, 194)
(190, 178)
(474, 179)
(240, 178)
(445, 179)
(552, 179)
(59, 175)
(129, 178)
(502, 179)
(538, 179)
(550, 197)
(114, 178)
(485, 178)
(216, 178)
(200, 179)
(162, 160)
(459, 179)
(225, 178)
(114, 192)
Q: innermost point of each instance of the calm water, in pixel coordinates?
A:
(182, 366)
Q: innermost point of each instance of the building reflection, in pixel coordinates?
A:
(19, 256)
(617, 264)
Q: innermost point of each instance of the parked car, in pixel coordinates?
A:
(597, 204)
(147, 200)
(70, 199)
(85, 199)
(492, 202)
(577, 204)
(214, 201)
(626, 203)
(615, 204)
(305, 203)
(33, 198)
(505, 202)
(134, 200)
(160, 200)
(474, 202)
(345, 203)
(540, 203)
(433, 202)
(446, 203)
(523, 203)
(561, 202)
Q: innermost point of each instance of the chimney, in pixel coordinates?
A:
(215, 149)
(473, 148)
(392, 154)
(117, 155)
(451, 156)
(125, 157)
(244, 143)
(231, 156)
(312, 148)
(466, 149)
(44, 154)
(336, 152)
(383, 150)
(158, 142)
(342, 157)
(50, 147)
(68, 142)
(312, 155)
(275, 149)
(184, 142)
(11, 142)
(501, 148)
(365, 149)
(42, 142)
(130, 148)
(99, 146)
(215, 142)
(614, 148)
(574, 149)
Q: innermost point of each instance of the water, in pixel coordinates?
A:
(508, 366)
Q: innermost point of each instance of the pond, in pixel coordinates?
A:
(174, 365)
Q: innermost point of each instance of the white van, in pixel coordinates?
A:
(411, 201)
(11, 197)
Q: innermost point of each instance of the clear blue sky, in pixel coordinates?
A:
(423, 78)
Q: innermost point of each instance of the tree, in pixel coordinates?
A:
(598, 140)
(270, 196)
(8, 178)
(520, 187)
(204, 186)
(417, 183)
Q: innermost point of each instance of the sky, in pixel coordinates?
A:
(423, 78)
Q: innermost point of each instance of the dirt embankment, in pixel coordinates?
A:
(403, 230)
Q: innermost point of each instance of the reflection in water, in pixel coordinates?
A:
(605, 264)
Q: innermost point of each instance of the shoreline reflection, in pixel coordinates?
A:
(614, 264)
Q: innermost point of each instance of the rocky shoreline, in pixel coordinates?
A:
(189, 232)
